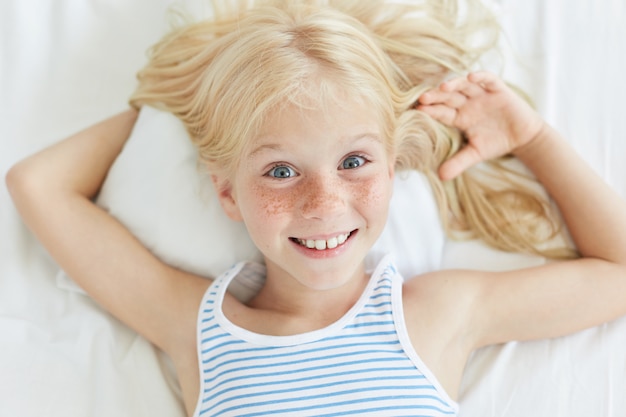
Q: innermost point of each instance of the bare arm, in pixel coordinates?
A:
(52, 191)
(558, 298)
(593, 212)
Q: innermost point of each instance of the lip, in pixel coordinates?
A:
(326, 253)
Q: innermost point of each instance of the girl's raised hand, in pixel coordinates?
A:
(494, 119)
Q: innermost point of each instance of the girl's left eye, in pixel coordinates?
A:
(352, 162)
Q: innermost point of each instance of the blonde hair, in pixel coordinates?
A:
(223, 76)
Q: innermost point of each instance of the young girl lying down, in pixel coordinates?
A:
(303, 111)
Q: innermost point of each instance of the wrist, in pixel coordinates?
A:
(532, 148)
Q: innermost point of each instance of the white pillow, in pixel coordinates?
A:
(157, 189)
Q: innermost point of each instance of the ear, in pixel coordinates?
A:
(392, 159)
(224, 189)
(392, 176)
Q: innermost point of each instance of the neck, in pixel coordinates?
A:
(307, 308)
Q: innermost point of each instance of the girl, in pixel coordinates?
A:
(303, 113)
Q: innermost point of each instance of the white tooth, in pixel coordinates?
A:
(321, 244)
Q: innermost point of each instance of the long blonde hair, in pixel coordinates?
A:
(221, 77)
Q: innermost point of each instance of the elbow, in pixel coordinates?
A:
(15, 179)
(22, 183)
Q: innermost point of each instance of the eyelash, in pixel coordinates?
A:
(269, 173)
(363, 159)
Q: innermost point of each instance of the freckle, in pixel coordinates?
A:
(375, 194)
(272, 203)
(371, 196)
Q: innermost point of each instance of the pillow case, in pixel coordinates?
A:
(158, 190)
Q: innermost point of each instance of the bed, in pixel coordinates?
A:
(67, 64)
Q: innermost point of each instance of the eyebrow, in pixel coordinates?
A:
(374, 137)
(266, 147)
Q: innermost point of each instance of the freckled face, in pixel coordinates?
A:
(313, 190)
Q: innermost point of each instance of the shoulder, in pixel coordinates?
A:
(458, 303)
(449, 307)
(181, 301)
(447, 298)
(439, 310)
(452, 286)
(445, 304)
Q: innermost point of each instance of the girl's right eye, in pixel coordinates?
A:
(281, 171)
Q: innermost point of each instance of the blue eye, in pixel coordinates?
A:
(352, 162)
(281, 171)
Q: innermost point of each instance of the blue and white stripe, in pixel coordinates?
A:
(356, 366)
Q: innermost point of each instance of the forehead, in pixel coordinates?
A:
(320, 94)
(315, 100)
(342, 120)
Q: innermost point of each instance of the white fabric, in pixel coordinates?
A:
(66, 64)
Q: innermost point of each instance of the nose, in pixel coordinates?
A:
(322, 197)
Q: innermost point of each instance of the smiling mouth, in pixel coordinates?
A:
(323, 244)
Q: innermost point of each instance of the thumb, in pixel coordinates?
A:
(459, 162)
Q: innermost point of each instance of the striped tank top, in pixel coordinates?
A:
(361, 365)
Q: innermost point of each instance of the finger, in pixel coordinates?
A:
(463, 86)
(453, 84)
(428, 98)
(462, 160)
(470, 90)
(433, 96)
(453, 99)
(486, 80)
(440, 112)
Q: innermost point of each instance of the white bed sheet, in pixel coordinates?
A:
(67, 64)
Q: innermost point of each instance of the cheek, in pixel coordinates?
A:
(374, 194)
(270, 203)
(263, 213)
